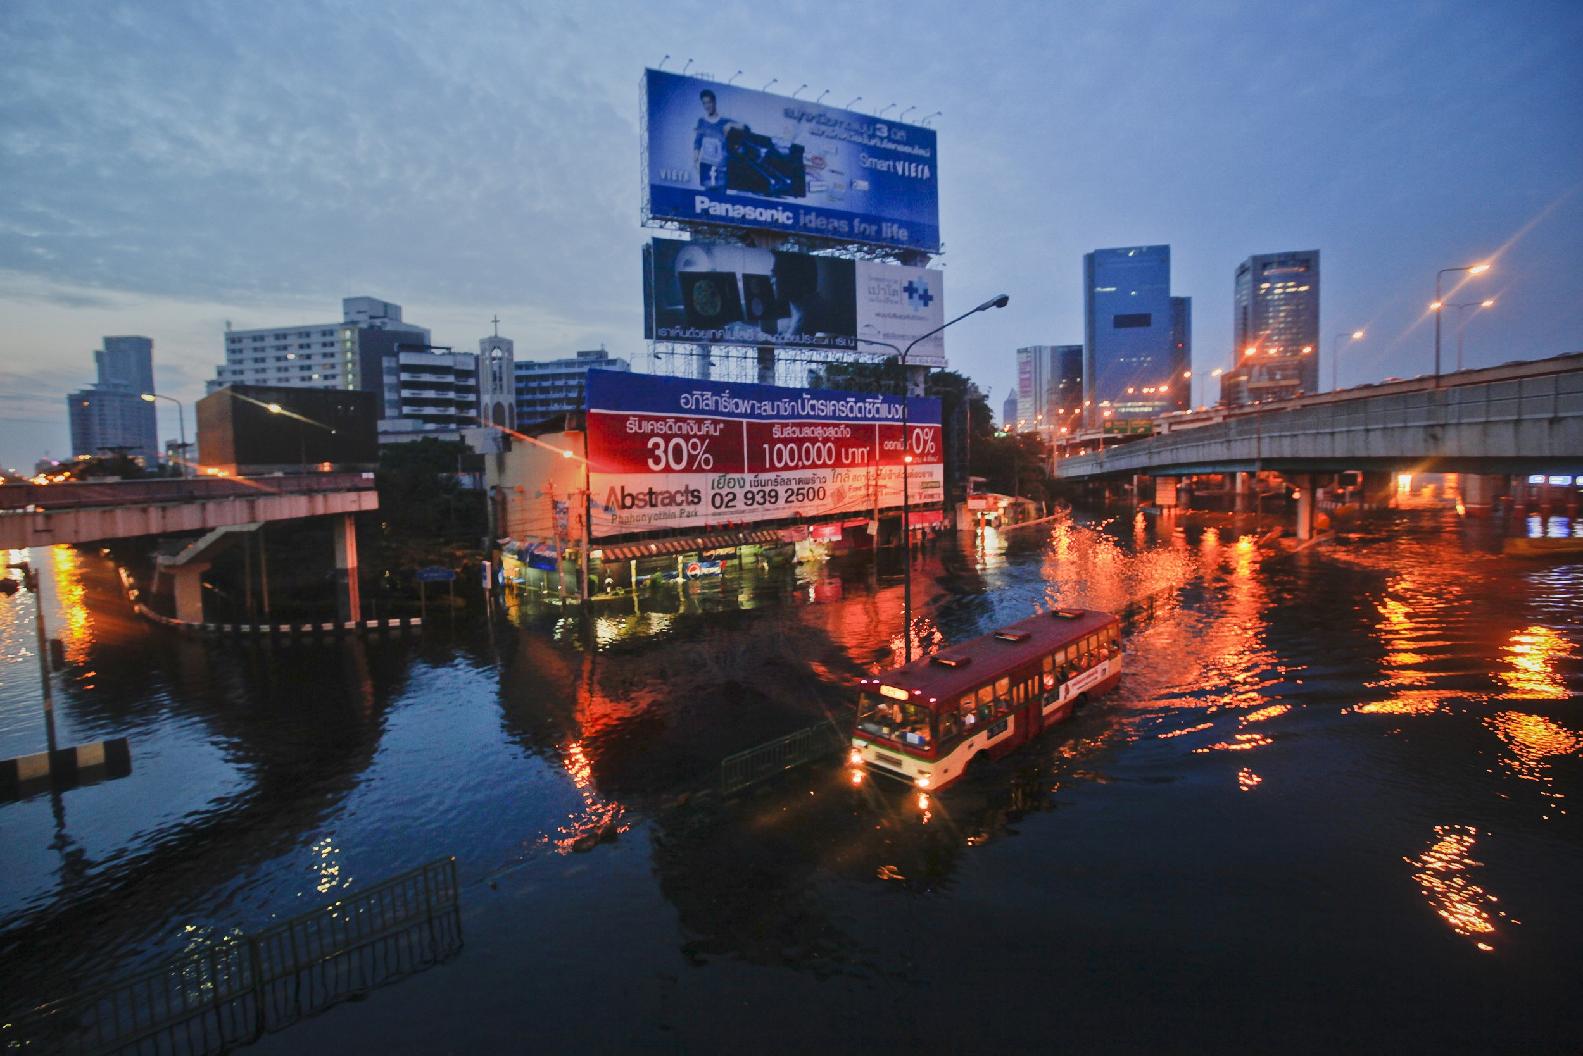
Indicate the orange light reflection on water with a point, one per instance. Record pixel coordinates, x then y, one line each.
1242 742
1532 741
1441 871
76 630
1532 654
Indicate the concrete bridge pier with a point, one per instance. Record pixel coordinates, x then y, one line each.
348 600
1165 491
1304 483
1481 491
1242 492
187 587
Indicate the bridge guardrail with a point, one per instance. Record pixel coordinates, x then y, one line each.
76 495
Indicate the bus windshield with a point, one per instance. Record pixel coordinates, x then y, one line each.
894 720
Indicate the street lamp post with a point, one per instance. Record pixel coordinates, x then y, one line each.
1335 354
1438 306
906 461
1462 326
181 423
302 433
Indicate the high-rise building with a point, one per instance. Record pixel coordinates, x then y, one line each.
1138 344
111 415
1008 416
1034 368
317 355
1049 387
1066 386
1276 328
556 387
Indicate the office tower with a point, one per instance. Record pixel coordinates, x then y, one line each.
1132 367
1033 387
1008 416
1049 387
1276 328
1066 387
111 415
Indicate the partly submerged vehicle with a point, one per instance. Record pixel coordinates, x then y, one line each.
926 722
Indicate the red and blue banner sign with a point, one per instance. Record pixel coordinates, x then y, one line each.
677 453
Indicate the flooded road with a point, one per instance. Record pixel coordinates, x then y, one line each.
1329 806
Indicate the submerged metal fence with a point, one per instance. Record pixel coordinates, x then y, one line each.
233 992
756 764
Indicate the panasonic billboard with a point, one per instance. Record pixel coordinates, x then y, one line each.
727 155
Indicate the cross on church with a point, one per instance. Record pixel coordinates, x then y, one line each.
496 321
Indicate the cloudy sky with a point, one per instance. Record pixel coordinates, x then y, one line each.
169 166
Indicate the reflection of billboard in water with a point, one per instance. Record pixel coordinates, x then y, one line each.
718 294
675 453
722 154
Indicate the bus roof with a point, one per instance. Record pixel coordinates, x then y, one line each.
958 669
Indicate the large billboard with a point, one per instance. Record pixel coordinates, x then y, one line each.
727 155
675 453
716 294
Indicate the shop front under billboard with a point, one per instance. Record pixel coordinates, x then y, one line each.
723 154
724 294
675 453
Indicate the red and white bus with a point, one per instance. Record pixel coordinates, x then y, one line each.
925 722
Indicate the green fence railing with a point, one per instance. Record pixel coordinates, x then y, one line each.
233 992
756 764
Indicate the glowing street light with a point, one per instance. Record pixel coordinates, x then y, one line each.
998 301
1440 301
181 422
1335 354
1462 326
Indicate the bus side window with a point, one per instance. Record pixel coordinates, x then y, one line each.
947 726
1002 696
965 707
986 702
1049 663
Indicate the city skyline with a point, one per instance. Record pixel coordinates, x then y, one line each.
1441 136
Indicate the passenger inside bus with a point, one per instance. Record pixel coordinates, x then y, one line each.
900 721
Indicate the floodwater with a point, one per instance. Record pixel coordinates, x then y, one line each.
1330 807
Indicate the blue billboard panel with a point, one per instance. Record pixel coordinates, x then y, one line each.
727 155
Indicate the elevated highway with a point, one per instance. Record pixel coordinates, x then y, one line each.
95 512
1519 418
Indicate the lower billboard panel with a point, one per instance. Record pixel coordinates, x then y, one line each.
718 294
672 453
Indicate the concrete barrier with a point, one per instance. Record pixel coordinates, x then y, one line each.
64 768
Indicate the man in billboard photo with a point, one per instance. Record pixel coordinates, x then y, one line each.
709 143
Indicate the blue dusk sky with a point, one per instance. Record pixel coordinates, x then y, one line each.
169 166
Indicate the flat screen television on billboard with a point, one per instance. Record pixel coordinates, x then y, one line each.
722 154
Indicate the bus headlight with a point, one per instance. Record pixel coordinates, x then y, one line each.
923 781
855 757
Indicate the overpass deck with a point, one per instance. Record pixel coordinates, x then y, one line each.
1510 419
